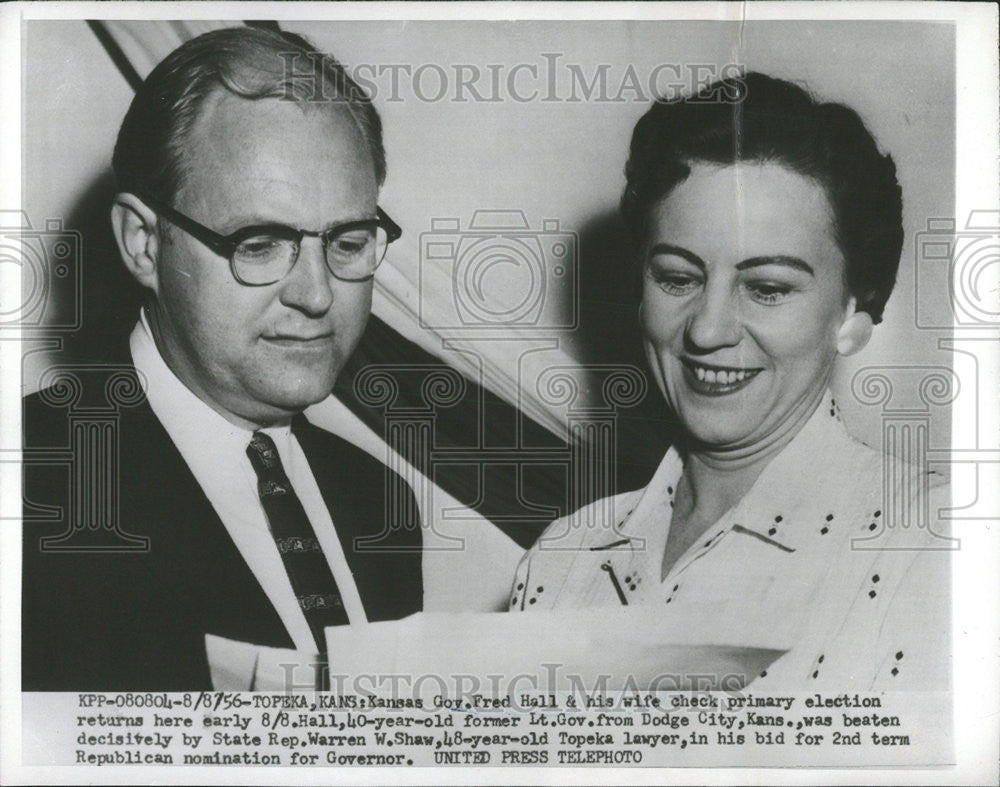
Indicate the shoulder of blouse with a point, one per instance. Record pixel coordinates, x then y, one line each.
595 524
910 491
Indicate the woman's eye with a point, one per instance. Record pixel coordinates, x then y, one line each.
674 282
768 292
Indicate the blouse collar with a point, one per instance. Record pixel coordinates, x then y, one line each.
803 475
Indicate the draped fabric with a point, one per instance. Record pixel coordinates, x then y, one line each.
508 424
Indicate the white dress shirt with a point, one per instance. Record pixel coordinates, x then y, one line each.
215 451
810 548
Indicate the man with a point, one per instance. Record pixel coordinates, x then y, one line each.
247 211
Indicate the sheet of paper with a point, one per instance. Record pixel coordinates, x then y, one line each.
492 653
243 666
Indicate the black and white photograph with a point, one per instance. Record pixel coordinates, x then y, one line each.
404 393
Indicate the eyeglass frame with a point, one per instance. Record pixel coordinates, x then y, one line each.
226 245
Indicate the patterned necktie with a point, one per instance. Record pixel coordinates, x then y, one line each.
312 580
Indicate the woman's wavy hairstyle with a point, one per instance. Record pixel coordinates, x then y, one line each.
758 118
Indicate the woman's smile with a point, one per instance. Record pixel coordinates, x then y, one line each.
713 380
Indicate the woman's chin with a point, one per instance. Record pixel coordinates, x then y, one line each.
718 437
721 422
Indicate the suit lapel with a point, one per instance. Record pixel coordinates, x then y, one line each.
192 556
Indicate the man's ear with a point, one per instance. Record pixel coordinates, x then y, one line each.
856 330
134 226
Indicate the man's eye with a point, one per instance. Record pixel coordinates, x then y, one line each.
260 247
351 244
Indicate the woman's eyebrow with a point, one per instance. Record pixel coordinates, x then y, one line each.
677 251
789 262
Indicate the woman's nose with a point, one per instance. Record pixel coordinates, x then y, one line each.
714 321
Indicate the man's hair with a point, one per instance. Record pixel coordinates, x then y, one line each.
761 119
249 62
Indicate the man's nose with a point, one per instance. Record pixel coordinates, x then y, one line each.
714 321
309 285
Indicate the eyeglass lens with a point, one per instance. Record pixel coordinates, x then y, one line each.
266 259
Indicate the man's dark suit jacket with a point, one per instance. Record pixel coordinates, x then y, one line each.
136 621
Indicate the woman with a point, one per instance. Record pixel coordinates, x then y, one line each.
768 230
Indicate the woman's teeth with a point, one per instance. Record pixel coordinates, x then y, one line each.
720 376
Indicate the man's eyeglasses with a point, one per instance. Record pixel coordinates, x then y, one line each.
264 254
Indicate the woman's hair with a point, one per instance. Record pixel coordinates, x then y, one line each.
761 119
250 62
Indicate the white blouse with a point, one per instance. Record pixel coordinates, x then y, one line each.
862 578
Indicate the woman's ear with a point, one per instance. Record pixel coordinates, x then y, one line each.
135 229
856 330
